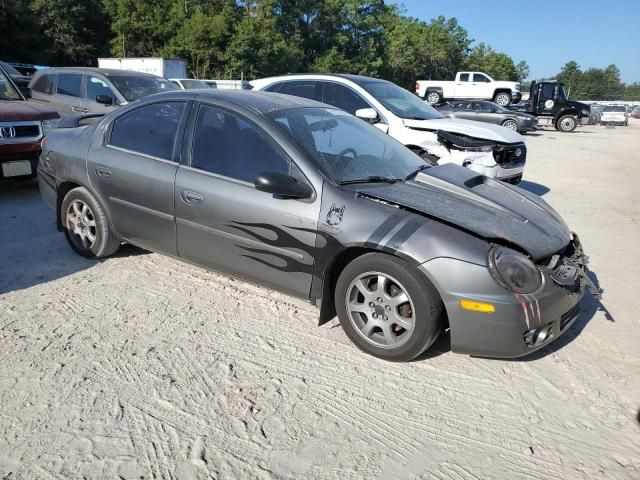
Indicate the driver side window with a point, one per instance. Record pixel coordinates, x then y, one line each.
95 87
479 78
229 145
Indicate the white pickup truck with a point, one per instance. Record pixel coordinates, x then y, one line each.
469 86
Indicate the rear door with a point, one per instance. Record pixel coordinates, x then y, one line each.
463 87
225 223
133 171
68 96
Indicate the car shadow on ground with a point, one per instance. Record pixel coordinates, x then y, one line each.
33 251
534 187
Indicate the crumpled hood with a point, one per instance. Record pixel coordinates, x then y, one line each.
483 206
472 128
19 110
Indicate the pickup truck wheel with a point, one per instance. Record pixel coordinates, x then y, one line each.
85 225
503 99
434 97
511 124
567 123
387 308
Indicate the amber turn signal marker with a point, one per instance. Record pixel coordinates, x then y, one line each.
477 306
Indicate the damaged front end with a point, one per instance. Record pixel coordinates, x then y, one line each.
493 159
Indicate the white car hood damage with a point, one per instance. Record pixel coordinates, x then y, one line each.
468 127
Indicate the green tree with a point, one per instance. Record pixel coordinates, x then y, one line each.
499 65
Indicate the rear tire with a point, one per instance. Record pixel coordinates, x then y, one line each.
387 308
502 98
510 124
433 97
85 225
567 123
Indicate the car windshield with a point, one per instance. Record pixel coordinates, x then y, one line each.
346 149
10 69
615 109
193 84
7 89
400 101
134 87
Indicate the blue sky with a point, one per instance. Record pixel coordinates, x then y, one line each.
547 34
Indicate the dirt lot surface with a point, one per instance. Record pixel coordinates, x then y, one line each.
141 366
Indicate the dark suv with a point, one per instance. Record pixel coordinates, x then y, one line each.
72 90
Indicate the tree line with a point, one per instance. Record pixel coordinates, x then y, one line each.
254 38
597 83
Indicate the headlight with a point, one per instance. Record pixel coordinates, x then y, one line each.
514 271
586 113
48 125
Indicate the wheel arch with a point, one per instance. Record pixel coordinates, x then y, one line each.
334 269
498 90
65 187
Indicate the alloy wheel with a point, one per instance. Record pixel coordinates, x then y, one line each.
433 98
380 309
502 99
511 124
81 225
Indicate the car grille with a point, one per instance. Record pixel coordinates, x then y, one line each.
569 316
12 132
510 153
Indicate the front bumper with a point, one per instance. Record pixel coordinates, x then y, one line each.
515 328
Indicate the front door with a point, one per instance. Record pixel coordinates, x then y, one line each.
134 172
225 223
95 86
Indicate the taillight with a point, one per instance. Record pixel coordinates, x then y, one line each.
417 87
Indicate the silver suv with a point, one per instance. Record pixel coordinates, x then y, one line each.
71 90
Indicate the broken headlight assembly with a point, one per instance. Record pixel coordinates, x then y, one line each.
514 271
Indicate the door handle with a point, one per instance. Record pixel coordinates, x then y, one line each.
78 109
191 197
103 172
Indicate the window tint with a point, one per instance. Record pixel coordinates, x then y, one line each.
96 87
228 145
273 88
304 89
343 97
464 77
485 107
479 78
70 84
614 109
44 84
150 130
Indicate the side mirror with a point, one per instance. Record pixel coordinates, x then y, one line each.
282 185
104 99
368 115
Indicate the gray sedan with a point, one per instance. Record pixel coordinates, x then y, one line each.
304 198
489 112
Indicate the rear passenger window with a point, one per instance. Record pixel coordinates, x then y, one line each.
343 97
464 77
273 88
304 89
70 84
229 145
44 84
149 130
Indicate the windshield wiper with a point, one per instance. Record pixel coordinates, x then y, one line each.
415 172
371 179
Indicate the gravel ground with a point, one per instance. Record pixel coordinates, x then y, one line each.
141 366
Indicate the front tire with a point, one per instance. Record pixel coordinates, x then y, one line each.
567 123
503 99
85 225
433 97
387 308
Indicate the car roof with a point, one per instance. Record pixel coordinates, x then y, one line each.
109 72
257 101
358 79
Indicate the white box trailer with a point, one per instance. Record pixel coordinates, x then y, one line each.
163 67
